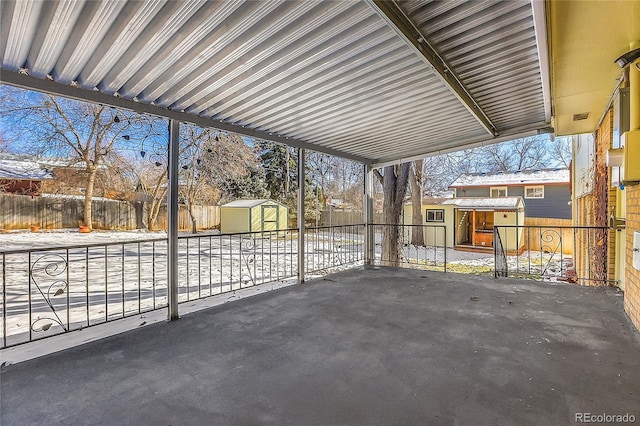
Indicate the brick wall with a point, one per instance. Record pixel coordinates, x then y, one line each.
632 276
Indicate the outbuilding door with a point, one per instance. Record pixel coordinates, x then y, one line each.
269 218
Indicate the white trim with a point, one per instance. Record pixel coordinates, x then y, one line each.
435 214
540 29
533 187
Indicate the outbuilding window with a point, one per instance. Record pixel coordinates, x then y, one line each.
435 215
534 191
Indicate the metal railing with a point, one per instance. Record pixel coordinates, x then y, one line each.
211 264
56 290
428 253
61 289
328 248
576 254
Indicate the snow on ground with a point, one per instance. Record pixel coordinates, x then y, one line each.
71 280
534 264
23 240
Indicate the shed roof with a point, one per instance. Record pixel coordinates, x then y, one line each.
23 170
250 203
524 177
500 203
333 76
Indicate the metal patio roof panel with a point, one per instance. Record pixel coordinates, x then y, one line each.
487 42
336 76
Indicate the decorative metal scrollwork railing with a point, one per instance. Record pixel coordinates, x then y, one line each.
60 289
553 253
328 248
47 275
51 291
419 246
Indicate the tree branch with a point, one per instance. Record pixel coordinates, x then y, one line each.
378 175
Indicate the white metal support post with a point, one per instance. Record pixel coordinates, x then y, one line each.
301 185
369 243
172 208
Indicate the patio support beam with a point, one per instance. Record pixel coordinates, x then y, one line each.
172 209
397 19
369 244
301 185
47 86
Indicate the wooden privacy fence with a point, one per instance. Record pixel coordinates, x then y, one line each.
335 217
207 217
22 212
545 234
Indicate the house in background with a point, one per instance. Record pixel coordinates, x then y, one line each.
546 193
467 224
438 222
22 177
30 175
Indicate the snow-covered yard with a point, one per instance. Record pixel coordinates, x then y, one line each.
529 264
104 276
65 280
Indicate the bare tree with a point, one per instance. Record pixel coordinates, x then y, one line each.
561 152
226 158
86 134
528 153
4 143
321 167
153 182
415 179
394 180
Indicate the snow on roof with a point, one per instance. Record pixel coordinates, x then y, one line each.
513 178
23 170
49 162
249 203
498 203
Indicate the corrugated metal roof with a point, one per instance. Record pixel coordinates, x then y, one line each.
332 75
249 203
492 48
531 177
504 203
23 170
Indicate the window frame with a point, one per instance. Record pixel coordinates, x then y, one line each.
499 188
435 214
533 187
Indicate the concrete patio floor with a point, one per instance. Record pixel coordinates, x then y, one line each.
365 346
